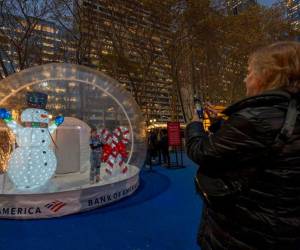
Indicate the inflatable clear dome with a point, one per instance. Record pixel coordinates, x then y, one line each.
68 127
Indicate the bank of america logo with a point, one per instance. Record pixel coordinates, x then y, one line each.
55 206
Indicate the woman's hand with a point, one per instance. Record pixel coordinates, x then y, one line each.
210 110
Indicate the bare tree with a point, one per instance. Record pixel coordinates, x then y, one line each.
220 45
20 45
135 31
76 21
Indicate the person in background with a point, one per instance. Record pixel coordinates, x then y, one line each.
158 146
249 168
151 148
96 150
164 146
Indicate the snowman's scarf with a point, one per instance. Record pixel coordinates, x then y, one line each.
35 124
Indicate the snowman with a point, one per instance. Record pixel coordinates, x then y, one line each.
32 163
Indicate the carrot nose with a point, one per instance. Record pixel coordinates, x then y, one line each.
44 116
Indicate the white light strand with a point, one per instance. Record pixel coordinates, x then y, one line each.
32 163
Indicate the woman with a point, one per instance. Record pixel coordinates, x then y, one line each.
249 172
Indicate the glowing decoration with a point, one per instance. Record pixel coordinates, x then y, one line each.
32 163
114 150
6 142
107 101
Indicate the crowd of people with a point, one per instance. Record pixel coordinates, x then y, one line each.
158 148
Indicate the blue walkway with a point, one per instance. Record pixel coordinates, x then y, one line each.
162 215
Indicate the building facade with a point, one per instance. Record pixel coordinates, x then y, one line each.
293 12
129 42
122 39
234 7
21 46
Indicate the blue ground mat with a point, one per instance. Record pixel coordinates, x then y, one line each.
163 214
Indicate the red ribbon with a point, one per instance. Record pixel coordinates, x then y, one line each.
121 149
108 150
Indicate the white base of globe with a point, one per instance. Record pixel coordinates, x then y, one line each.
66 194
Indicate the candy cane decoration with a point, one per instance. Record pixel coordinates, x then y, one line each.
115 150
106 136
124 133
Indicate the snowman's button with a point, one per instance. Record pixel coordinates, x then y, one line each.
45 164
43 141
43 130
44 152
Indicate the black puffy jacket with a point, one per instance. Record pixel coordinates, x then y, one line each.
266 213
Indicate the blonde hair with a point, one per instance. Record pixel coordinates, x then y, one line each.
278 65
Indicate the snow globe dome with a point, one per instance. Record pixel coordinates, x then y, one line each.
82 93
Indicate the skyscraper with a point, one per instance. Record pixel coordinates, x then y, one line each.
293 12
40 44
134 41
120 38
236 6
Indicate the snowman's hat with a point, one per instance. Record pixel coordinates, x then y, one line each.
36 100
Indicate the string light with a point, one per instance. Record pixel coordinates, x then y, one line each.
32 163
6 142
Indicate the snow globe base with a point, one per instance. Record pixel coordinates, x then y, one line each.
69 189
65 194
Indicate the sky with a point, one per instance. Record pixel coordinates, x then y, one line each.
266 2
